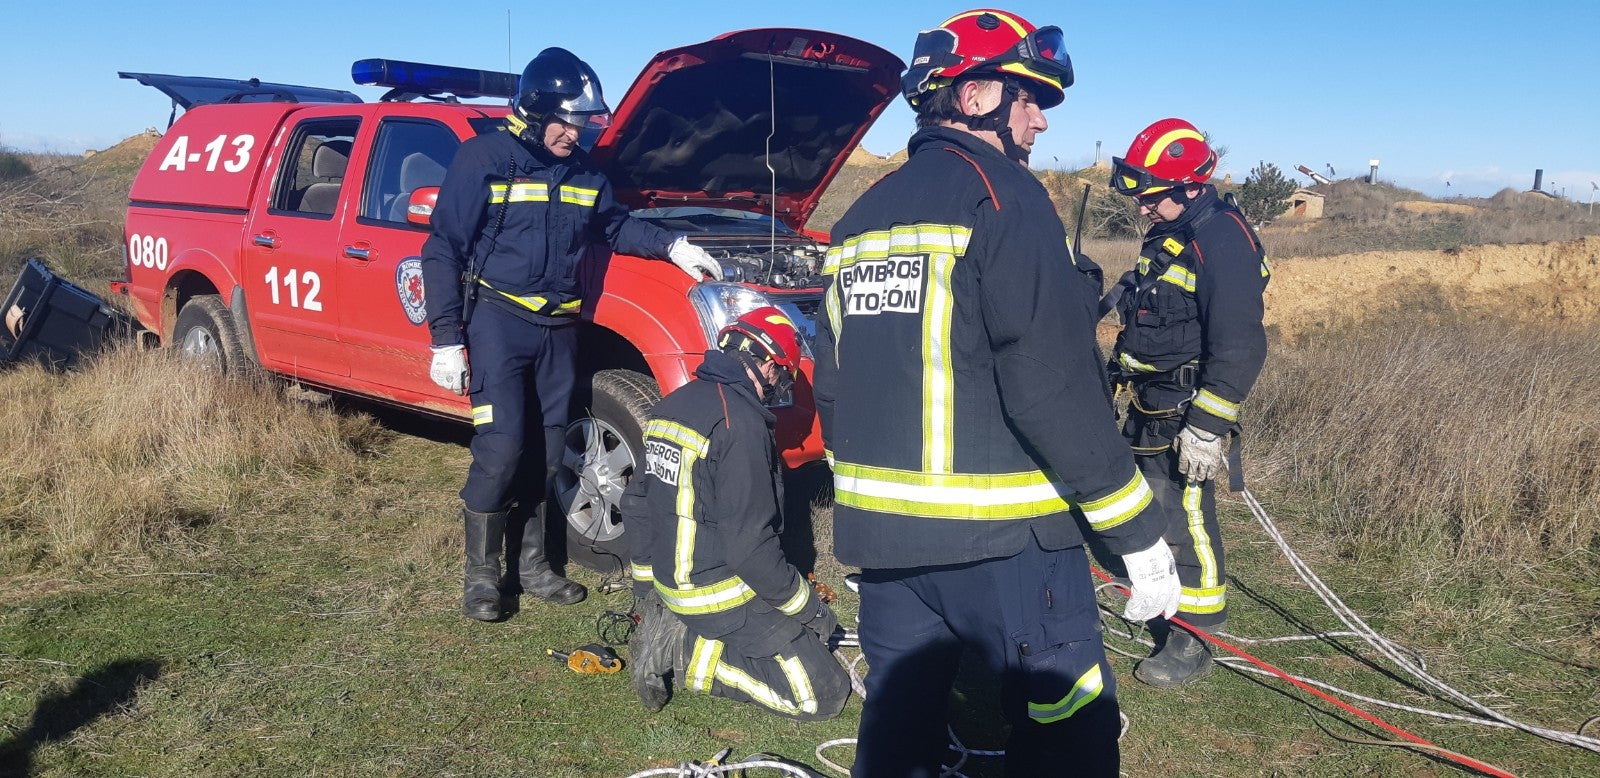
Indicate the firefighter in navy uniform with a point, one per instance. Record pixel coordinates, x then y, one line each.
965 410
722 611
1191 346
517 212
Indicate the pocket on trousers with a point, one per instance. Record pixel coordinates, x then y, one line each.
1062 677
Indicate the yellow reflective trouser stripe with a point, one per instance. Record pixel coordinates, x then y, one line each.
678 434
703 663
1119 506
1135 365
520 193
482 414
1216 406
726 594
1210 599
1180 277
578 195
799 683
641 573
798 601
757 690
1083 692
1198 536
948 495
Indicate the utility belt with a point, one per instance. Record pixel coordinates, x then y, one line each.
1131 371
538 303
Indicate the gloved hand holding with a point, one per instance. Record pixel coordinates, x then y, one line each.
449 368
1199 452
1154 589
822 621
694 260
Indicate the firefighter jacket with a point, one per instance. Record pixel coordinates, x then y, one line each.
704 512
521 220
1191 311
962 395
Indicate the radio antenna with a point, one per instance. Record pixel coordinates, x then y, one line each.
509 64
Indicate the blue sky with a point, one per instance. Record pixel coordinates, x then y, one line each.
1477 94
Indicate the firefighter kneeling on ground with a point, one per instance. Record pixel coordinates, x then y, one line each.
1191 346
722 611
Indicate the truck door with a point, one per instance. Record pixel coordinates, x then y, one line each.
292 248
380 271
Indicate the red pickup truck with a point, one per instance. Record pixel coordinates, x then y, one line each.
280 226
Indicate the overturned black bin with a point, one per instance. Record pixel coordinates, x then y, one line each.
56 322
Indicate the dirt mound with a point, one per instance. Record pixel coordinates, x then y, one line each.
1541 282
1428 206
123 158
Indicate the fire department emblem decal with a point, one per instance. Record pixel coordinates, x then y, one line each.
408 283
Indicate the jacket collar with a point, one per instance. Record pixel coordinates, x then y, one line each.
938 137
719 368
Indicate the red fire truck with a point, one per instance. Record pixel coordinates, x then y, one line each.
280 226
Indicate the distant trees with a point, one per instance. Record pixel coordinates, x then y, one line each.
1264 194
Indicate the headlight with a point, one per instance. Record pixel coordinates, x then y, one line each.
720 303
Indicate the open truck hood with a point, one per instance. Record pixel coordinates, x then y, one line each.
758 120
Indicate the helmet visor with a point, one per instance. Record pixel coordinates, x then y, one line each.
1046 51
1130 180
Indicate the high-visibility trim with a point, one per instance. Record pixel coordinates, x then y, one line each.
1172 246
1144 265
578 195
1266 269
1213 404
703 661
538 303
797 603
674 432
531 192
1002 496
758 691
902 240
1119 506
1204 599
938 370
642 573
1085 691
799 682
1180 277
482 414
726 594
1127 361
1206 555
683 549
1161 144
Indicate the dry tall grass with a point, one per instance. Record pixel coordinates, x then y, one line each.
139 446
1465 439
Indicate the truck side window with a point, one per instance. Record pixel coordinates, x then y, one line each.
408 154
313 168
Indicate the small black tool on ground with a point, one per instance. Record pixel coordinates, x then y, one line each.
50 319
589 659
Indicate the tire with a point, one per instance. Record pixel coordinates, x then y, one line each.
204 331
603 448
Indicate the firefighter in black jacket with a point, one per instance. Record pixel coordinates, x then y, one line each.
964 406
1191 345
703 517
517 212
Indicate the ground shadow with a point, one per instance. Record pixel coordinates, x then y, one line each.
801 488
103 690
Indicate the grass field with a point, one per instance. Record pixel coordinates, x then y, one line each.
206 576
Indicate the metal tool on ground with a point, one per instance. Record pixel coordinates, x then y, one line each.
589 659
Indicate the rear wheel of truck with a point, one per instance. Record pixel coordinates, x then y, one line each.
204 332
604 448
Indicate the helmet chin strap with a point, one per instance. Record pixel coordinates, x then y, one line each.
526 133
998 121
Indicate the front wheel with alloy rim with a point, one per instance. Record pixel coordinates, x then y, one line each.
604 447
204 332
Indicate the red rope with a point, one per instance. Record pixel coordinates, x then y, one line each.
1239 652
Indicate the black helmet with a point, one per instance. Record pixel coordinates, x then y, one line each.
556 84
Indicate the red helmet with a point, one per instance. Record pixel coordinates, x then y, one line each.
1166 154
768 333
989 42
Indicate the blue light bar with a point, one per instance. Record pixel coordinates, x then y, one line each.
419 78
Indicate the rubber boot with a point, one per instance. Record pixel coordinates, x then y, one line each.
485 536
533 570
655 651
1180 657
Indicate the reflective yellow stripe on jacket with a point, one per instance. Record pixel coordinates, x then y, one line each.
1001 496
530 192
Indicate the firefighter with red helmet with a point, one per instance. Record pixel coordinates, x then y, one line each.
517 212
964 407
1191 346
721 610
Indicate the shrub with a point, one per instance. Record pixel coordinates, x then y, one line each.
1265 193
13 166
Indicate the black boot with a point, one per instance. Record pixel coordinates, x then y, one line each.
533 570
1180 657
655 652
485 536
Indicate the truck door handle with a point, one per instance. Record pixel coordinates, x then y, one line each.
266 241
357 253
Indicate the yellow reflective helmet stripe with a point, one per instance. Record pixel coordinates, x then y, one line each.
1166 140
1085 691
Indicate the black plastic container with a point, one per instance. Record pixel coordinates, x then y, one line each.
54 321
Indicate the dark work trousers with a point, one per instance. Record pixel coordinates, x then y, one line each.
1190 513
1032 619
771 661
521 379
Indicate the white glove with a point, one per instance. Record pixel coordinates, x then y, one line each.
694 260
1154 583
1199 453
449 368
